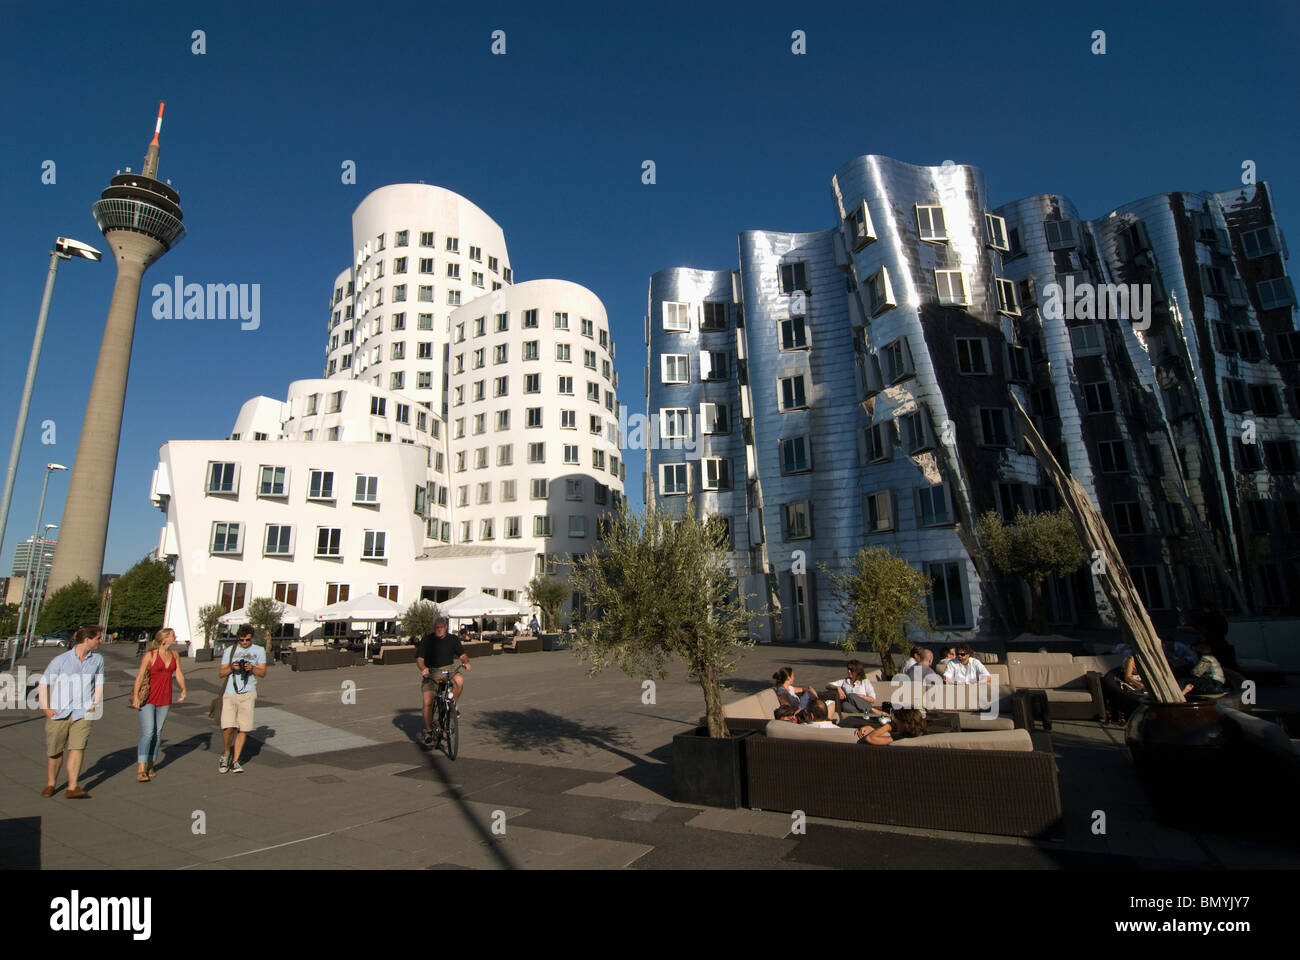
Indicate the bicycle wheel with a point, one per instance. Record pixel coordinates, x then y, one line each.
451 730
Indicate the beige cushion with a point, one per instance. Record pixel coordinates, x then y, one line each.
1017 740
977 721
1102 665
1027 659
1047 676
758 706
785 730
1003 672
1069 696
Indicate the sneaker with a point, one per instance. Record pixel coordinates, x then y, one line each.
236 768
428 738
223 765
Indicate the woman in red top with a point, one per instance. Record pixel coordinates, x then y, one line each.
160 663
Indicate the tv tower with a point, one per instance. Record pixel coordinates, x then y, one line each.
140 218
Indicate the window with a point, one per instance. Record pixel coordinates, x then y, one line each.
421 502
1248 456
530 319
1007 301
503 420
995 232
713 365
878 512
950 285
794 276
1087 340
426 294
399 293
995 426
859 226
915 432
397 380
513 528
537 453
501 386
573 489
453 245
1060 234
279 540
1128 519
530 349
1275 293
562 352
1112 456
328 541
797 518
878 443
1264 400
930 223
566 386
337 592
533 417
541 526
426 238
1279 456
561 321
602 493
532 383
272 482
505 455
225 538
285 593
367 489
480 326
715 316
541 489
793 396
320 485
375 546
795 455
1097 397
713 418
589 359
896 361
425 321
933 506
481 458
570 453
675 368
332 433
1234 394
947 603
794 334
593 425
485 531
715 473
598 461
880 293
377 406
568 419
479 386
675 423
1258 243
223 478
462 495
1149 586
577 525
673 478
507 491
232 596
972 356
453 298
677 316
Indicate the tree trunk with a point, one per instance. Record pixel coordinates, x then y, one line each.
1038 613
712 700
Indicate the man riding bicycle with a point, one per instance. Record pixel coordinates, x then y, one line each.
435 652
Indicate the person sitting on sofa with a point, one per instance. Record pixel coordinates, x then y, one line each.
1207 675
920 665
966 669
947 657
799 697
818 716
855 692
907 722
787 712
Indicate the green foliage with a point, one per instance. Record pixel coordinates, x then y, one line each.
1033 547
549 594
140 596
418 619
264 615
881 597
663 589
8 619
69 607
209 623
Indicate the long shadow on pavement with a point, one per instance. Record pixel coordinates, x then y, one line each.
411 722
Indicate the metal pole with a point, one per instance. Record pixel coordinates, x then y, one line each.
26 403
27 582
31 624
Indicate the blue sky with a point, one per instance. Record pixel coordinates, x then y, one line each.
549 140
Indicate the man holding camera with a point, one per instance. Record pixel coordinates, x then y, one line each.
243 664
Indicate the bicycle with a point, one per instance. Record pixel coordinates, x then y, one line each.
447 734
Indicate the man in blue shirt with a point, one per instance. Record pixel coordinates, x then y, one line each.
72 696
243 663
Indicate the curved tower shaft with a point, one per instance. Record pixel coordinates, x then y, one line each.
141 219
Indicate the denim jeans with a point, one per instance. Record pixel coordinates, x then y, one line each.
152 719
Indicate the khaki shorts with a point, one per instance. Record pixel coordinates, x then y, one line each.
66 733
237 710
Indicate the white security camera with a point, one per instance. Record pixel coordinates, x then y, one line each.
67 247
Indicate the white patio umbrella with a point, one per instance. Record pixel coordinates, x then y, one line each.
477 604
289 613
368 606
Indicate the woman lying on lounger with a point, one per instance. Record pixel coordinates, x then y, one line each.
906 723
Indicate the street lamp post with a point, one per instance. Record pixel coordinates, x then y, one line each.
65 248
39 596
27 580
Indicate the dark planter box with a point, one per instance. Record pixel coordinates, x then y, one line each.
203 654
555 641
708 771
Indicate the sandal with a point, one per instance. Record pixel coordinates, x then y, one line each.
141 777
150 772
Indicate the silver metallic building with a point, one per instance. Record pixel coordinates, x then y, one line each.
850 388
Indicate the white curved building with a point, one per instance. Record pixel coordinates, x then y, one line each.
468 429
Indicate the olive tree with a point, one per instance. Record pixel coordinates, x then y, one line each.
1032 547
882 598
661 589
210 622
265 615
418 620
549 594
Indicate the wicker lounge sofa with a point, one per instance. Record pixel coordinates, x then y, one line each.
1071 685
999 781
